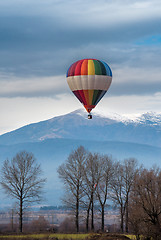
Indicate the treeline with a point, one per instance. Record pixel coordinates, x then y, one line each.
91 179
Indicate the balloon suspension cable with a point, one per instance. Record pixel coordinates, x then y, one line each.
89 116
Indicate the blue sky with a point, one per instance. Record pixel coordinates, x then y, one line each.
39 40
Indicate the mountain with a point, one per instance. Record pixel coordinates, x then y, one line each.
145 129
52 140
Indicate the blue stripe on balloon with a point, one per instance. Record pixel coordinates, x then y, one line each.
108 69
100 96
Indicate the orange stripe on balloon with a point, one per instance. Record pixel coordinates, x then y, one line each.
86 96
84 67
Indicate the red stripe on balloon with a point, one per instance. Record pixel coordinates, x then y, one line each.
80 95
77 71
72 69
77 94
89 107
81 98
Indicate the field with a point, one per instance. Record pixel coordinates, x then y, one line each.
55 236
46 236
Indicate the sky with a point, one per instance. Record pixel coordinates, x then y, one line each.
40 39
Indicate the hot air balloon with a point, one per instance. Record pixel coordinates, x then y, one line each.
89 80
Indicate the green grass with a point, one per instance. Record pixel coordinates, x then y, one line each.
46 236
132 237
69 236
50 236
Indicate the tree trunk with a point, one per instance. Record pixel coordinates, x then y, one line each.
12 220
138 237
127 217
103 218
92 214
77 210
122 220
88 210
87 220
21 215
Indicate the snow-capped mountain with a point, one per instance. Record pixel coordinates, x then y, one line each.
145 129
52 141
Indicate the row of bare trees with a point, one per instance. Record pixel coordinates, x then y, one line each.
92 178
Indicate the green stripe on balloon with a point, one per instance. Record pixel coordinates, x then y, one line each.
97 66
95 96
103 69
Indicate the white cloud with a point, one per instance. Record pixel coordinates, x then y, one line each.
34 86
20 111
135 75
130 104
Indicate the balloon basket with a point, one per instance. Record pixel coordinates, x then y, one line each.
89 116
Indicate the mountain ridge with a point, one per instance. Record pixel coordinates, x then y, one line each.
146 129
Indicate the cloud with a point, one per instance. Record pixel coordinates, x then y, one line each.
126 80
20 111
43 38
33 87
130 104
39 41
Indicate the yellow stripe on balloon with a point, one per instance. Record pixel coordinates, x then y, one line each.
90 94
91 68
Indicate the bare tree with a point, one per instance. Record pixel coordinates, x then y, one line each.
103 187
130 170
21 179
118 191
91 177
121 186
136 222
71 173
147 198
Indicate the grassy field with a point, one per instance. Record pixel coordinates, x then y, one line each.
46 236
54 236
132 237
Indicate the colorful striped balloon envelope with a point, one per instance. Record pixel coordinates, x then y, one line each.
89 80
